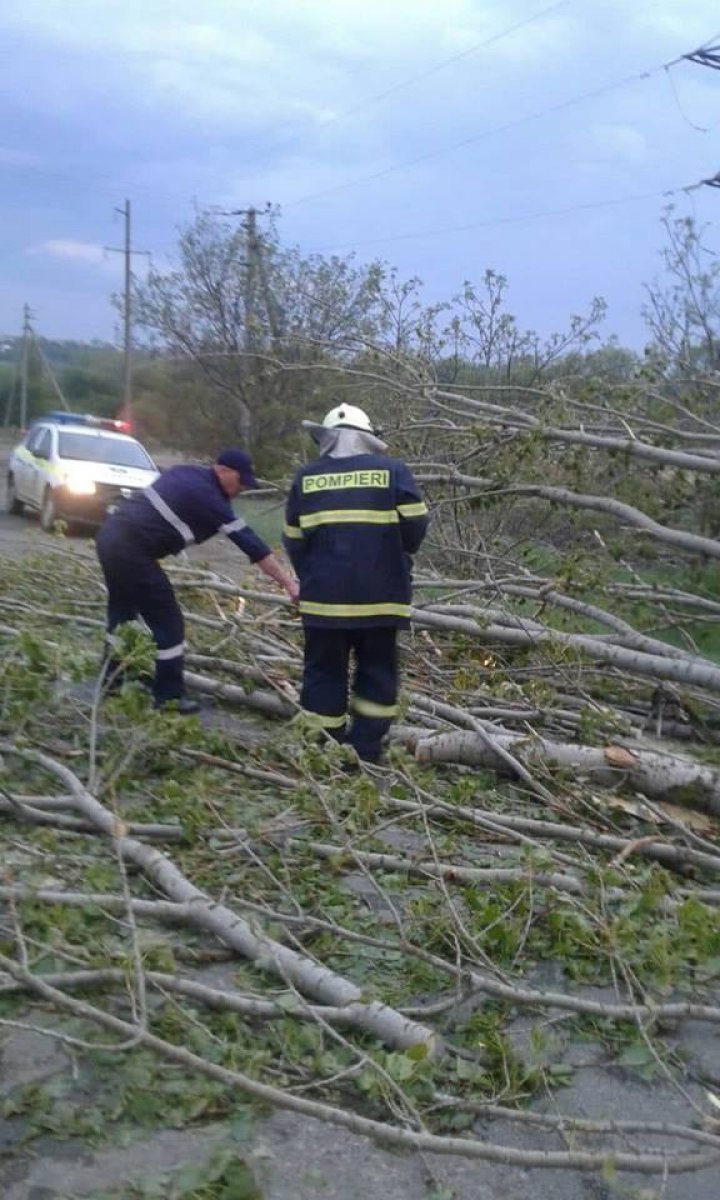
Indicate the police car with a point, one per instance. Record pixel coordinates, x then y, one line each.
74 468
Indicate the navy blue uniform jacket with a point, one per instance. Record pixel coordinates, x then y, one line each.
350 526
184 505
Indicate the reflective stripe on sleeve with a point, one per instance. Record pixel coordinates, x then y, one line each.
172 518
314 609
171 652
413 510
233 526
368 708
292 531
350 516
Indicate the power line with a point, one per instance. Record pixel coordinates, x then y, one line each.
110 181
521 218
439 66
678 103
593 93
105 181
49 371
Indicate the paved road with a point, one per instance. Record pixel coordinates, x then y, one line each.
18 535
23 535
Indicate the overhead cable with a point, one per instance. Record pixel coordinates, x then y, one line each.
521 218
593 93
439 66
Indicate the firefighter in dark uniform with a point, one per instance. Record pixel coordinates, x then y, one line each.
185 504
353 519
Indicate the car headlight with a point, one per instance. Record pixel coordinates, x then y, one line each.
79 486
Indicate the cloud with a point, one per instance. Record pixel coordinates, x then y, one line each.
692 21
9 157
66 248
349 107
249 63
620 143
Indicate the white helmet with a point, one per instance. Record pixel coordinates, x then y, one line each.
349 416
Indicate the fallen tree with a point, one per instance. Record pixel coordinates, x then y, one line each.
537 851
653 772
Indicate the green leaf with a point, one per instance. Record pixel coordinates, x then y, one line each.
636 1055
399 1066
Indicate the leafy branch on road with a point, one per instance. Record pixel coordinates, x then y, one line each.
431 897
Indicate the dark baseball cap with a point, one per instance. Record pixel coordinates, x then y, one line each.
238 460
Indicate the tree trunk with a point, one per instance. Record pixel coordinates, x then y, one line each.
652 772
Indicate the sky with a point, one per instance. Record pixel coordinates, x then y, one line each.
541 140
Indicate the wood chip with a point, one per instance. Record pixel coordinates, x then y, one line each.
618 756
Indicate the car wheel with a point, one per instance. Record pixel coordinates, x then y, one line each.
48 513
14 506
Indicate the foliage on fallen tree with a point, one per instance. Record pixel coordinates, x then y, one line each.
435 894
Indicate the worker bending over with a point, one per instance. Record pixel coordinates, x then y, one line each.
185 504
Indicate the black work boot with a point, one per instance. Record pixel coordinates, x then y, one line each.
369 753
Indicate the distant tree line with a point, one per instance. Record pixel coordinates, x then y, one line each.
88 374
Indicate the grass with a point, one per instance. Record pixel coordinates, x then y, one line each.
264 515
700 577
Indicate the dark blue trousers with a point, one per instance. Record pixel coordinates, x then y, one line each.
137 586
326 684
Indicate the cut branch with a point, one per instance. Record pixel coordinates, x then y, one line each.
649 771
309 977
650 1163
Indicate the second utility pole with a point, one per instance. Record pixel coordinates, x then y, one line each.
250 274
24 361
127 339
128 252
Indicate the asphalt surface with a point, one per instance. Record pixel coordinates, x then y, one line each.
18 535
22 535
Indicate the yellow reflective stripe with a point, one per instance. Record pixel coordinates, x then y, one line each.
315 609
322 720
292 531
41 464
350 516
413 510
345 479
368 708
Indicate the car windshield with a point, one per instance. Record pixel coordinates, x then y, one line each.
99 449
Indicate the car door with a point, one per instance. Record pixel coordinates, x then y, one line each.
41 467
24 465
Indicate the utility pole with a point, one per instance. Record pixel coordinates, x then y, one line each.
250 274
127 339
10 402
24 363
127 251
254 270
